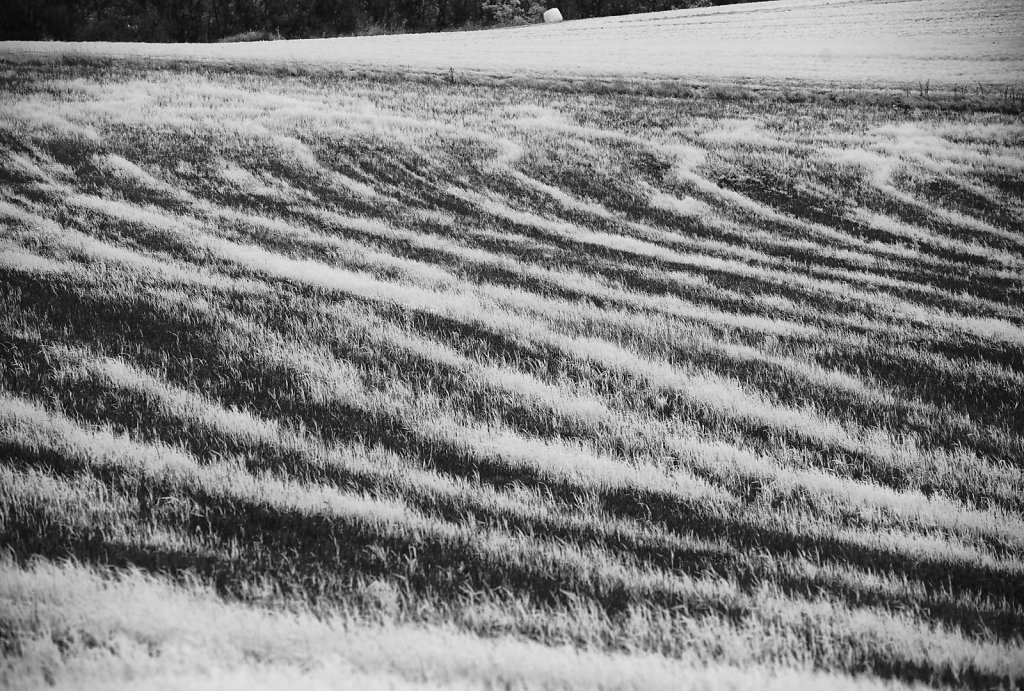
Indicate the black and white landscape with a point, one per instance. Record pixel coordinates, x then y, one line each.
676 350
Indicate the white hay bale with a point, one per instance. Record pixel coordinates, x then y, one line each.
552 16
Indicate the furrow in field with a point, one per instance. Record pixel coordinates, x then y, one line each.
525 561
1011 263
872 303
863 276
70 595
693 157
879 170
716 376
704 390
55 441
715 461
425 272
313 652
978 326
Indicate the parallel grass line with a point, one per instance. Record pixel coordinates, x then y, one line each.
30 427
581 569
894 308
847 637
604 352
694 381
714 460
77 595
525 298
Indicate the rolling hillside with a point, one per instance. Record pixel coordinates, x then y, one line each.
867 43
311 378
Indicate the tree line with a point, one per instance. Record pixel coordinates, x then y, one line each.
215 20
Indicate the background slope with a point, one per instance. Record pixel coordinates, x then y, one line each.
870 42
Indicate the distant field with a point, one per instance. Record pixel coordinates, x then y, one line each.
877 43
319 380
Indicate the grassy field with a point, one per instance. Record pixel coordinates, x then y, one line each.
393 383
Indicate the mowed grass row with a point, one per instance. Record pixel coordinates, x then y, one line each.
736 383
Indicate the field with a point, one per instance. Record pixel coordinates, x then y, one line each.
337 379
863 43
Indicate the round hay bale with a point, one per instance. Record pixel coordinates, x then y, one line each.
552 16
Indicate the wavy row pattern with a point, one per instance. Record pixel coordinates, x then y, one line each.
715 383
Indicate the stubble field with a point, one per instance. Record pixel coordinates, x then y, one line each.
330 380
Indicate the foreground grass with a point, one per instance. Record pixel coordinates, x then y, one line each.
624 384
100 625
